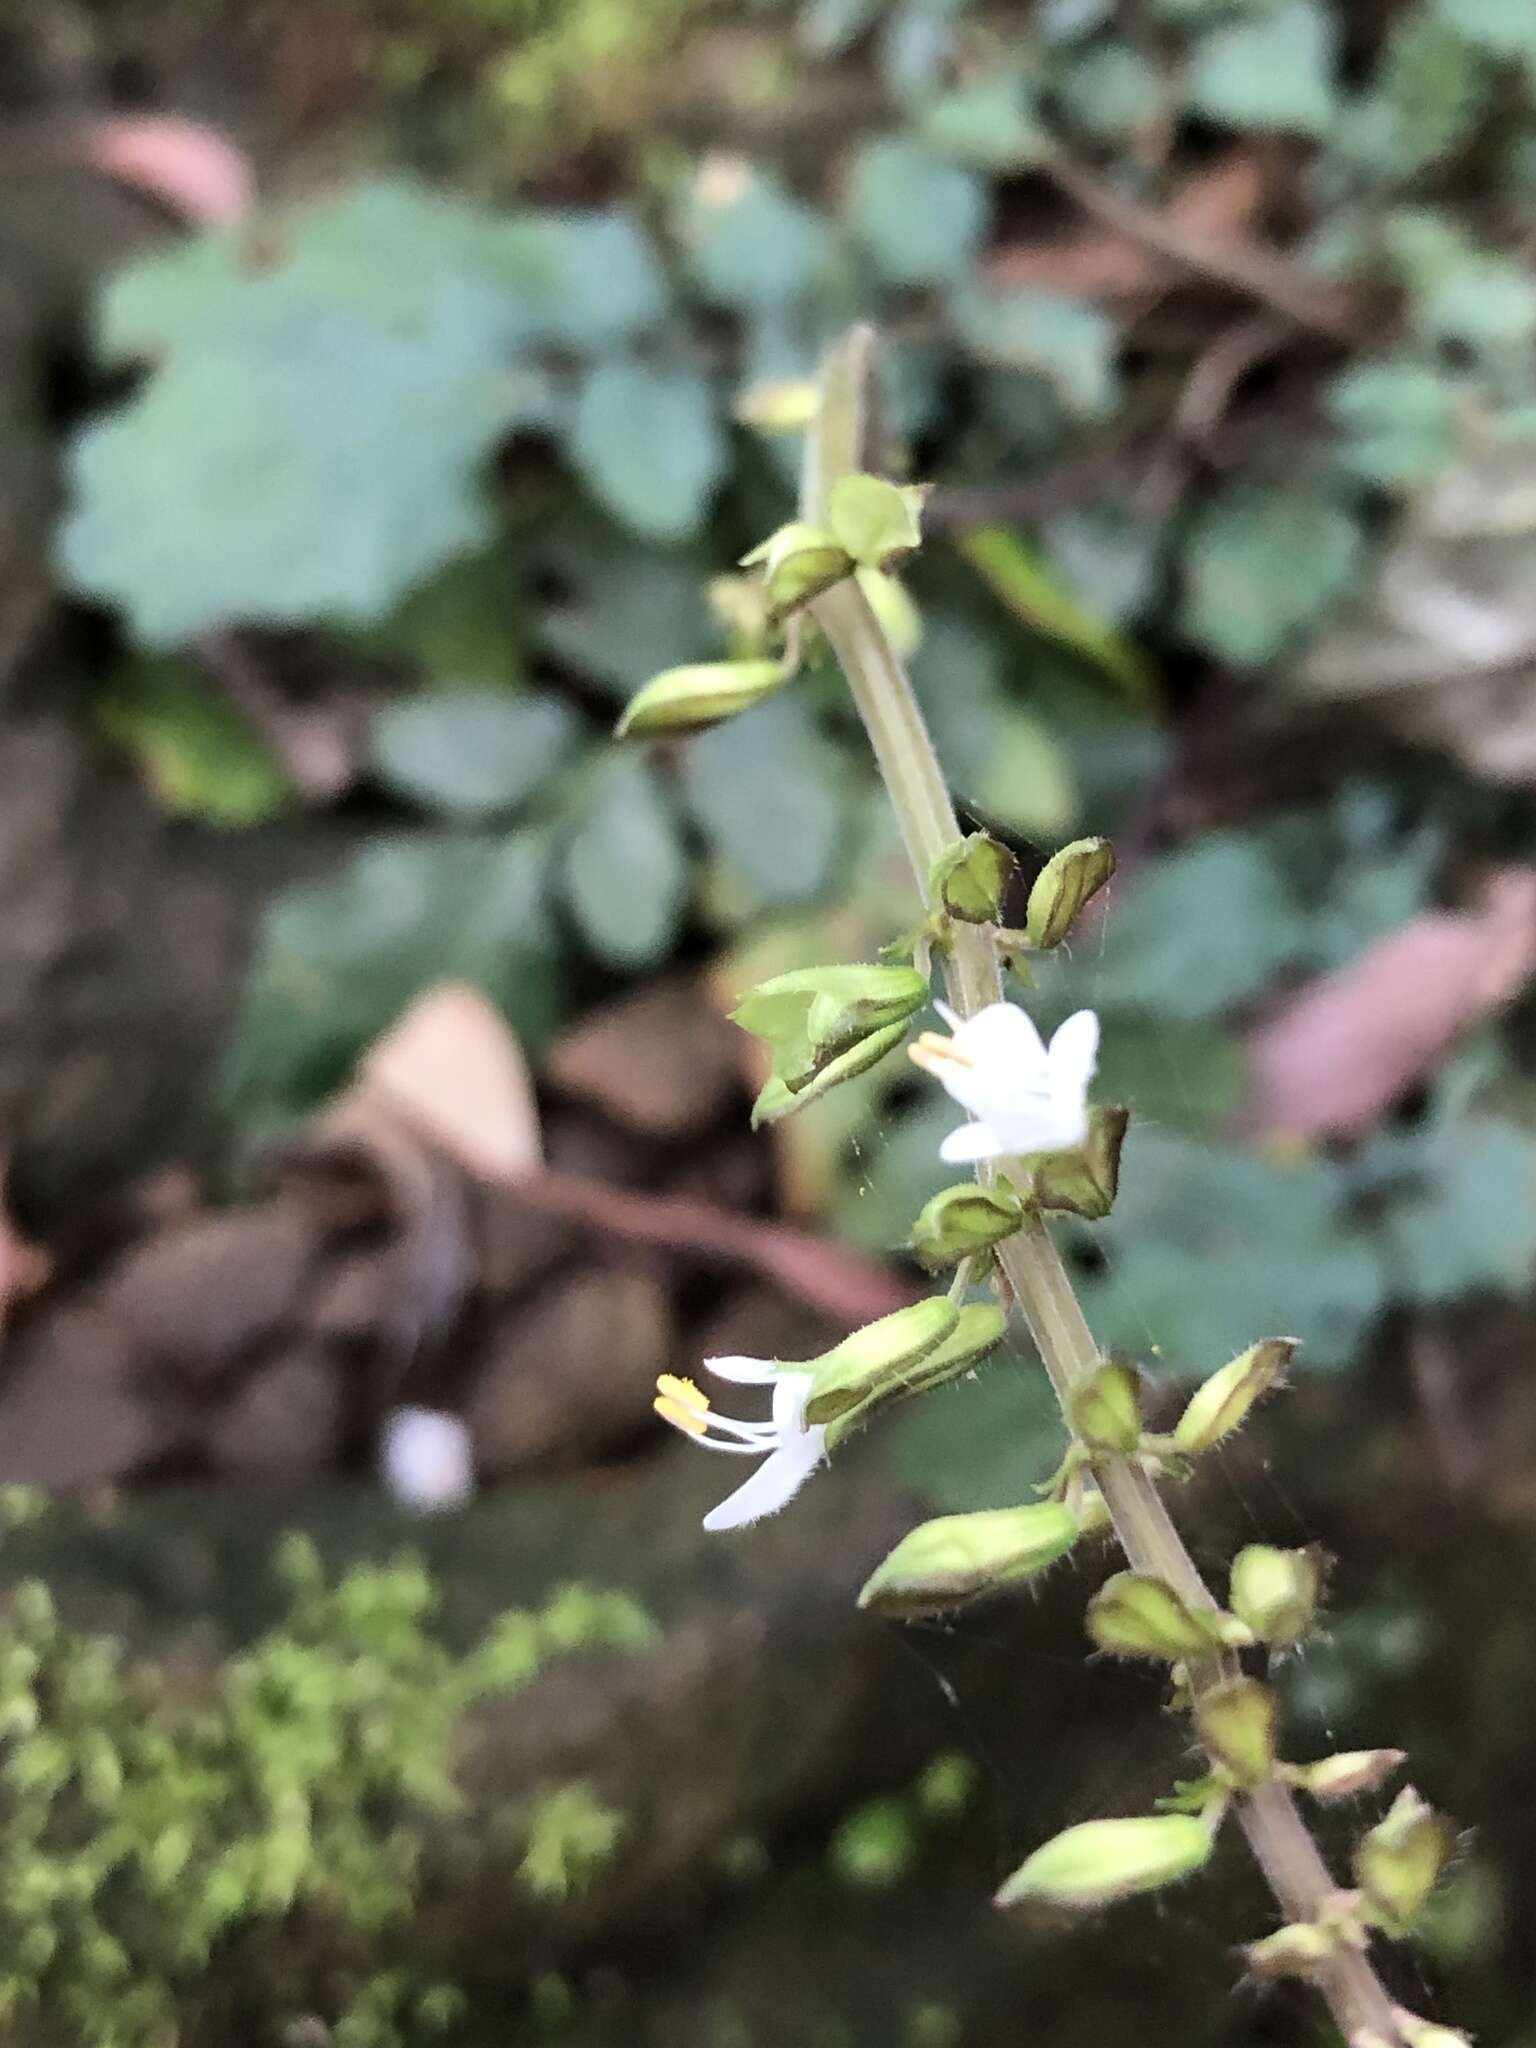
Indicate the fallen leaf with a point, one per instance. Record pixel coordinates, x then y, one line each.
1217 204
185 166
451 1067
1339 1053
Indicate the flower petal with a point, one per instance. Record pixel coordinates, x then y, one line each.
1001 1035
745 1372
970 1143
775 1483
790 1392
1074 1053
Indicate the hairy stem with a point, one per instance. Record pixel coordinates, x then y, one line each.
1276 1832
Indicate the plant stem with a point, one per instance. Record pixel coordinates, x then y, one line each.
1279 1838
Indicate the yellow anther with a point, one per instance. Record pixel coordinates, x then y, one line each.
933 1052
679 1402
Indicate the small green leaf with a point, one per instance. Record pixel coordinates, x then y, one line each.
768 792
1261 565
1026 784
921 219
626 611
989 123
1112 92
200 757
471 753
751 244
1492 25
624 870
1397 421
1275 71
1070 342
1425 100
649 446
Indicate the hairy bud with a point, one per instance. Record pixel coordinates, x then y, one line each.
1100 1861
1221 1403
1399 1862
1276 1591
1105 1411
1068 881
1238 1721
1136 1615
686 699
957 1558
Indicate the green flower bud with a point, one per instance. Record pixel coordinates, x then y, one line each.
1100 1861
1347 1775
1105 1412
858 1367
685 699
1136 1615
777 1099
1399 1862
1069 880
778 405
970 878
892 604
1086 1181
874 519
798 562
1238 1722
958 1222
1293 1951
1276 1591
1221 1403
813 1015
957 1558
979 1329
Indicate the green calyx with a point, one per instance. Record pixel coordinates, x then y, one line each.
957 1558
1238 1722
1105 1411
961 1222
856 1370
969 880
1136 1615
1221 1404
701 694
798 563
1398 1864
1070 879
979 1329
1083 1182
824 1024
1275 1592
1100 1861
874 520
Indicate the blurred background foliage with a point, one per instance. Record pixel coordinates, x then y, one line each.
1213 324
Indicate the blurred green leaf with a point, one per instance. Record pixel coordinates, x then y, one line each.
1210 1247
1273 71
1024 580
649 446
1182 1074
751 244
889 1179
1424 101
462 628
470 752
200 757
337 961
981 1442
1025 783
1471 1222
1068 341
1397 421
989 123
346 474
1459 291
921 218
1259 565
1492 25
624 871
1200 931
1112 91
624 611
770 794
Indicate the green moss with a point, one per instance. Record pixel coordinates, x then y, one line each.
150 1824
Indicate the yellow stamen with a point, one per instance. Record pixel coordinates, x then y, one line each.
679 1402
933 1052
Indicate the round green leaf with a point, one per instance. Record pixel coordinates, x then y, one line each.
624 872
470 752
921 219
649 447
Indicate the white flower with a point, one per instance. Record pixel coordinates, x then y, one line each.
789 1446
425 1459
1023 1096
